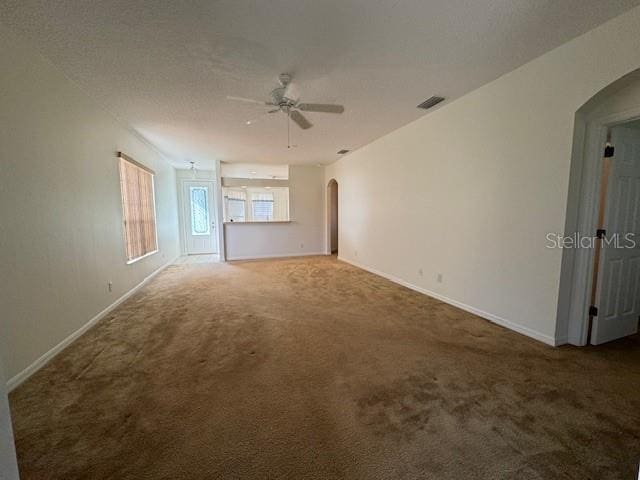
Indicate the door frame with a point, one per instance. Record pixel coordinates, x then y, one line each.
575 295
183 210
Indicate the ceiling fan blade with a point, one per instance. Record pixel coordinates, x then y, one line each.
320 107
300 120
247 100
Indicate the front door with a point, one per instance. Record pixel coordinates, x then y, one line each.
618 290
199 214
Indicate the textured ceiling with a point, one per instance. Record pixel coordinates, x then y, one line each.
166 67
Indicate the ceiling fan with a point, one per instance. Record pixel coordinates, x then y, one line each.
286 99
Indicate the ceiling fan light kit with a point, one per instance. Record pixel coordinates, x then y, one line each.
286 99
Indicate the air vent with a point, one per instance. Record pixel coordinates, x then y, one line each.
342 152
430 102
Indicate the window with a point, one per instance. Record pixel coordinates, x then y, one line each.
138 209
199 211
234 202
262 207
256 204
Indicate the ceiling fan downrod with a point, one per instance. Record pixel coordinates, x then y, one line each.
288 127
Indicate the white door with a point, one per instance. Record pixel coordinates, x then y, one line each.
199 217
618 290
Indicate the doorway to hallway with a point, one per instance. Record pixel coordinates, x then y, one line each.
332 217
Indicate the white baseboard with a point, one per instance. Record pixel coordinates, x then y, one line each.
468 308
277 255
15 381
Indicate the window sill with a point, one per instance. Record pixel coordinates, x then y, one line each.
129 262
265 222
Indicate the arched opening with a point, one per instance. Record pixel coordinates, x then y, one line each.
599 298
332 217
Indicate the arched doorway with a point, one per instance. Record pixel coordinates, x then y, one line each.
596 201
332 217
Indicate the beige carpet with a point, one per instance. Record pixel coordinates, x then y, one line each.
313 369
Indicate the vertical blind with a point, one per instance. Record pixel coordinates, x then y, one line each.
262 206
138 209
256 204
235 203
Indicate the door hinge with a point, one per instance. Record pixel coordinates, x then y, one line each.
601 233
593 311
609 151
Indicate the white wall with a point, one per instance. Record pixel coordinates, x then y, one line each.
254 171
61 232
471 190
8 464
302 236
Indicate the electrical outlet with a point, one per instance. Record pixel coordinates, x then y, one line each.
110 286
302 245
439 278
420 272
355 253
